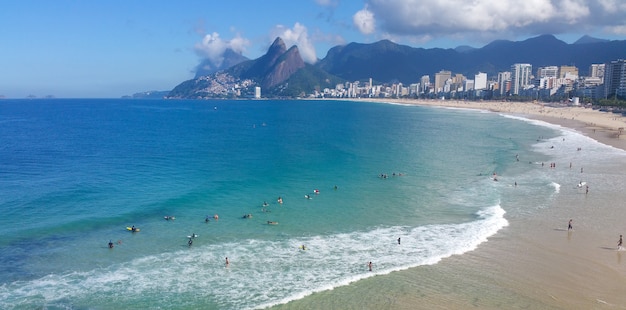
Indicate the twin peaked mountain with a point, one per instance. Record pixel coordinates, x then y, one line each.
281 72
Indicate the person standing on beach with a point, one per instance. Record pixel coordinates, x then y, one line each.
619 243
569 225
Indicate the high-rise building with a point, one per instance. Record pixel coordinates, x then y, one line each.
480 81
564 71
257 92
469 85
615 79
520 77
504 82
548 72
440 80
424 83
597 70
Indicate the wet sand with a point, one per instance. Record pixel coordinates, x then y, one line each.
535 262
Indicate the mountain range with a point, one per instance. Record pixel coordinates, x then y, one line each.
282 72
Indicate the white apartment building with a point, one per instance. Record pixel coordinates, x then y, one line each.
520 77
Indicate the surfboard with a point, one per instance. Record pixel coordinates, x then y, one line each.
131 229
194 236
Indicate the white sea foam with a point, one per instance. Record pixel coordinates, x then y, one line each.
557 187
261 273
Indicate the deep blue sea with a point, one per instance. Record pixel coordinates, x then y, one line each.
75 173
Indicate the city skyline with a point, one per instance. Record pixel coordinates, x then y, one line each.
107 50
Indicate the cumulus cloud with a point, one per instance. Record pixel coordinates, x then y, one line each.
481 17
212 47
297 36
364 21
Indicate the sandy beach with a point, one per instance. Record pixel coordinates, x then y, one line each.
535 262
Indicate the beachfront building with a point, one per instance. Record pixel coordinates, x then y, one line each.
441 79
504 82
615 79
469 85
424 84
597 71
568 72
480 81
520 77
548 72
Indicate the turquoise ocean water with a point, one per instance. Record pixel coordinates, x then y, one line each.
75 173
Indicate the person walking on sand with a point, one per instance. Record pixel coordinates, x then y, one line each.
569 225
619 243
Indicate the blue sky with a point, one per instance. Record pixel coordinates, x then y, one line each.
107 49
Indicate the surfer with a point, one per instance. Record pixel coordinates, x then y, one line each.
110 244
303 248
398 240
190 242
280 199
569 225
265 204
307 196
133 229
206 220
619 243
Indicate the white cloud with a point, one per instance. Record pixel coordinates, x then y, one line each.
212 47
619 30
481 18
364 21
297 36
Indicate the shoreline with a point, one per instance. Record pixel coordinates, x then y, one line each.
600 126
535 262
